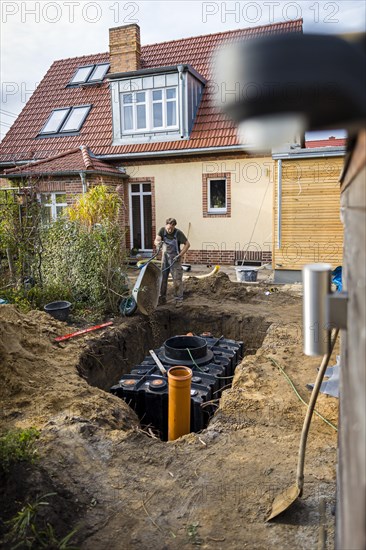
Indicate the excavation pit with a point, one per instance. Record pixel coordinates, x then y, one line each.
120 362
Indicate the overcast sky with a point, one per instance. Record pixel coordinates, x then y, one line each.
34 34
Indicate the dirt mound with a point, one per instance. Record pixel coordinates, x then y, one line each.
220 287
39 379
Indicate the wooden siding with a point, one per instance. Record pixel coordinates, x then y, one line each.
311 229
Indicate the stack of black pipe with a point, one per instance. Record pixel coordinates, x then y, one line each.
212 360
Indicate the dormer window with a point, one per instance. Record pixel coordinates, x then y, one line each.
149 110
67 120
89 74
155 104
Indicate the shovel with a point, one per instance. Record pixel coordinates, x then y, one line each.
284 500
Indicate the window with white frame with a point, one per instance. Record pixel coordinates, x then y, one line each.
149 110
65 120
155 106
89 74
217 195
134 111
52 206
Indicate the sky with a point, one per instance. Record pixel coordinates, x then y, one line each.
36 33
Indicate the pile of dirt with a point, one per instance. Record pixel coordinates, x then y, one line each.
39 379
214 489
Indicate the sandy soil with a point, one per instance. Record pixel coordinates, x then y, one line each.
125 489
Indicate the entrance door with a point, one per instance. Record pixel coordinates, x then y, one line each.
141 216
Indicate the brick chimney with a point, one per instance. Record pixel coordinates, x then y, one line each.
124 48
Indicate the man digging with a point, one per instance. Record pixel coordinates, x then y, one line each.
172 238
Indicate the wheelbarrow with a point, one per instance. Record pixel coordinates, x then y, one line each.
146 291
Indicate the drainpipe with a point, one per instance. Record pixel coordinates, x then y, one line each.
83 182
179 402
181 100
279 204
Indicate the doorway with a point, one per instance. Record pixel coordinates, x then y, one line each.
141 216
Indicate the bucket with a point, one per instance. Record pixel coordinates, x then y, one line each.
246 274
58 310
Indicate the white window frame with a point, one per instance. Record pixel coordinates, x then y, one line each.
53 204
134 104
149 102
216 210
164 101
68 113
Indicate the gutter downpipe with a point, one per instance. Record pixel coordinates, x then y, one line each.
279 204
83 182
181 100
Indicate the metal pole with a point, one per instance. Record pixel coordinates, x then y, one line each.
316 287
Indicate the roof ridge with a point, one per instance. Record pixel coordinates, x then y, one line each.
226 32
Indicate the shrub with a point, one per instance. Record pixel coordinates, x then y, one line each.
86 264
18 446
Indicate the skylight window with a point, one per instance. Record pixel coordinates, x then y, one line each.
89 74
68 119
54 122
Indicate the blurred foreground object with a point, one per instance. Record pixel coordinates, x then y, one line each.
276 87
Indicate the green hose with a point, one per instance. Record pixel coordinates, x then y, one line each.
299 396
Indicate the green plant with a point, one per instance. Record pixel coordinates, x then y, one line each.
20 232
24 532
86 263
46 538
192 531
98 206
17 296
18 446
78 258
21 524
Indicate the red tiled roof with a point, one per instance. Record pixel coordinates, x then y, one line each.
330 142
79 159
211 128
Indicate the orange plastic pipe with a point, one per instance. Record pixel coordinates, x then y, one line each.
179 402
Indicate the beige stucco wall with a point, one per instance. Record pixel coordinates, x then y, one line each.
178 193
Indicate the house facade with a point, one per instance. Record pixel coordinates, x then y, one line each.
145 118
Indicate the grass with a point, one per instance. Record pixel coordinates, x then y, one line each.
24 532
18 446
192 531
